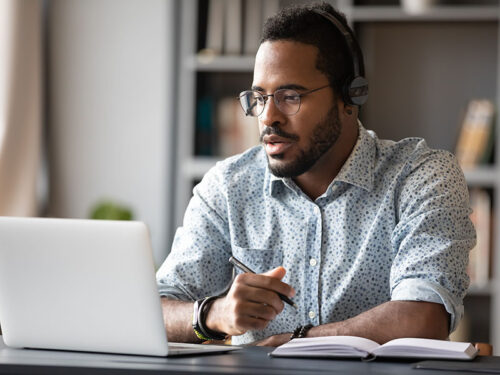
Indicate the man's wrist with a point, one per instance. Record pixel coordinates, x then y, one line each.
200 314
212 321
195 324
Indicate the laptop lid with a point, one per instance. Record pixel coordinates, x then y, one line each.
85 285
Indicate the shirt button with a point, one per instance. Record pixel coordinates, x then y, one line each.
313 262
312 314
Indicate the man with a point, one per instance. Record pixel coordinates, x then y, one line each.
368 237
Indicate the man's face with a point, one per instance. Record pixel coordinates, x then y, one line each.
295 143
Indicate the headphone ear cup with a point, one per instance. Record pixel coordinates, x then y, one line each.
346 88
357 91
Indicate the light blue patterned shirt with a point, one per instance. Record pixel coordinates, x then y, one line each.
393 225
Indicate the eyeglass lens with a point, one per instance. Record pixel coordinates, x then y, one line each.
253 102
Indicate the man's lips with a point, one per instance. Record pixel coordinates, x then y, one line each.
275 144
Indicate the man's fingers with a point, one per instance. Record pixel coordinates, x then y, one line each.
259 296
265 282
254 310
252 302
250 323
276 273
236 316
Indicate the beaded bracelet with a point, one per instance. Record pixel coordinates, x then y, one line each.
301 331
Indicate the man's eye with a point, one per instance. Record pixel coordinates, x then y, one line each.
291 98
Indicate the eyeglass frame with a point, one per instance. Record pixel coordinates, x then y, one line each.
266 96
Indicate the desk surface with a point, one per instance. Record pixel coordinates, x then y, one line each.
251 360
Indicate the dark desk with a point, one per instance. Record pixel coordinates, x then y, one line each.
251 360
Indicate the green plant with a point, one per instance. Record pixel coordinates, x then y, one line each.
108 210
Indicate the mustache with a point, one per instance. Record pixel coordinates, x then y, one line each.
279 132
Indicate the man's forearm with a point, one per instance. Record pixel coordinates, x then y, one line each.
392 320
177 317
388 321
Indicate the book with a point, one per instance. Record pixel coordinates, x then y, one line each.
359 347
479 257
235 131
232 27
474 143
252 26
215 26
204 132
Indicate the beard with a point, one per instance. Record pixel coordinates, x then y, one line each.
324 136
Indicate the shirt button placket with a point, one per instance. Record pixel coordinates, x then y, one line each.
314 259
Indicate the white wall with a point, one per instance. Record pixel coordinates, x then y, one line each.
110 74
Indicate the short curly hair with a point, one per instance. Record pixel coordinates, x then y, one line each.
300 23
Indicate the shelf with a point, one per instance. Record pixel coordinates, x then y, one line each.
438 13
486 176
217 63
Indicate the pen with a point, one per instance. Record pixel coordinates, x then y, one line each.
244 268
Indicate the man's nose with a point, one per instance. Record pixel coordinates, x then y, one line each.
271 115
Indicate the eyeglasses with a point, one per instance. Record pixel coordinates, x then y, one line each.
287 101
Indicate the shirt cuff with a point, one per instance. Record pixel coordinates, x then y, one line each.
171 292
425 291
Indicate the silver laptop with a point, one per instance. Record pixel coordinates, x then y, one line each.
84 285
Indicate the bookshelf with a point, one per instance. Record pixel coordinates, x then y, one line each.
440 59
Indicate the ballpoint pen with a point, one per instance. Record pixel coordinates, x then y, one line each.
244 268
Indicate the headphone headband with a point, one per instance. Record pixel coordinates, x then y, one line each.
356 89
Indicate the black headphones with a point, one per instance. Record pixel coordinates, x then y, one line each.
355 89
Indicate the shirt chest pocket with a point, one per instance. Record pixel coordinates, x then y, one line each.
258 260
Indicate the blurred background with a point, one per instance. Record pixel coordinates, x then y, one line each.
87 100
117 108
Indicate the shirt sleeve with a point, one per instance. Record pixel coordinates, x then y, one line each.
197 265
434 235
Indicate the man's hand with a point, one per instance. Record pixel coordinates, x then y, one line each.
251 303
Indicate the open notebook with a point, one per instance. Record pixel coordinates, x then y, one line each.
359 347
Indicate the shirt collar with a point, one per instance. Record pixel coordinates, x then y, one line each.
357 170
273 183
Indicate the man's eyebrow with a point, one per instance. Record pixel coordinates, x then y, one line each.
290 86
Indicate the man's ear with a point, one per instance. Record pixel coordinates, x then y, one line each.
347 112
